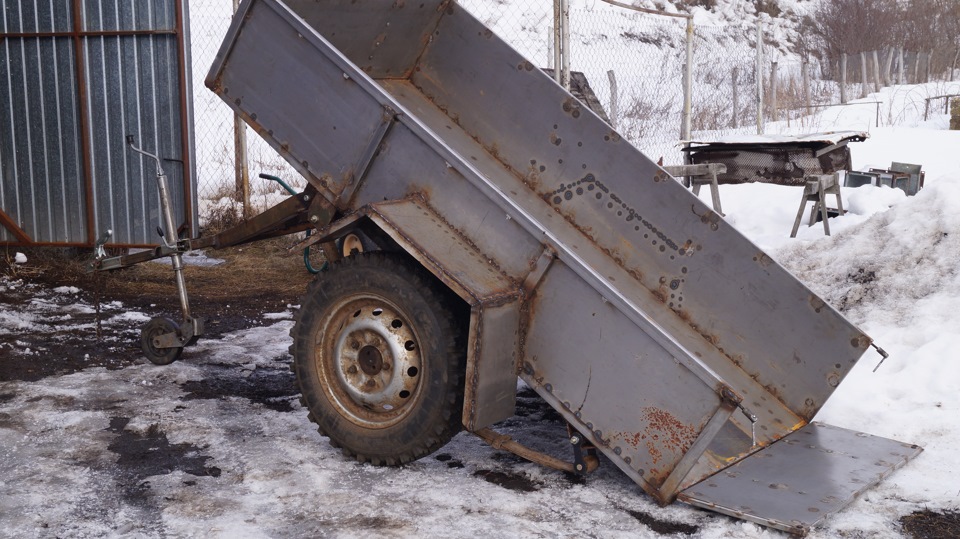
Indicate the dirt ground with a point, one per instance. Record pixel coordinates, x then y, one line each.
253 279
232 298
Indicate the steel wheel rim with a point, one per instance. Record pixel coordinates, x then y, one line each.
369 361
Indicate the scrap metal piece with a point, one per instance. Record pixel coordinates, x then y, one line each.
795 484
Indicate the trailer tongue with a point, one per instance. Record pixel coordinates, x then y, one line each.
519 235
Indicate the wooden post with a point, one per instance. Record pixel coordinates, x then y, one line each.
805 66
614 99
863 75
241 171
734 120
843 78
876 71
774 112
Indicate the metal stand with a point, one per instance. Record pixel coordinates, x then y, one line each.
162 339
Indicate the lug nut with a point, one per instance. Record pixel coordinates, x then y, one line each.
352 369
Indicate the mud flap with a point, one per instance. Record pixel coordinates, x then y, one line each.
797 482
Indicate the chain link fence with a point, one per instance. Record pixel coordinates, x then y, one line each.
633 62
220 138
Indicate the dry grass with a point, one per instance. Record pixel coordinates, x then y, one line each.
262 276
928 524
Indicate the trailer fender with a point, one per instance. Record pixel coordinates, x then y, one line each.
494 297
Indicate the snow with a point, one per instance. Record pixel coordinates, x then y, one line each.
828 137
892 265
20 258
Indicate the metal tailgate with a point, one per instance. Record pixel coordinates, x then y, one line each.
796 483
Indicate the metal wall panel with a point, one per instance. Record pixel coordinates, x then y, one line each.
41 187
22 16
124 15
66 174
128 82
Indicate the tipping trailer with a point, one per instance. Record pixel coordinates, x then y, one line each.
508 231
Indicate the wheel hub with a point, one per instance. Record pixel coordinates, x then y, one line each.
374 361
371 360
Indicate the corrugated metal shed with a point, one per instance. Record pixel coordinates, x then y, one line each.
76 77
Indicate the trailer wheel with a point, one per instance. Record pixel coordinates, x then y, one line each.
379 359
154 328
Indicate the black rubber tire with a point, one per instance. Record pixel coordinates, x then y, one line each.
158 326
342 300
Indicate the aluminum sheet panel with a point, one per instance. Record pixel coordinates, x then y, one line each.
796 483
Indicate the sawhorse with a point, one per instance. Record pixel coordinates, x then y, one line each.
816 190
699 175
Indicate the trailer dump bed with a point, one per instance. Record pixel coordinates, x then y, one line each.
656 329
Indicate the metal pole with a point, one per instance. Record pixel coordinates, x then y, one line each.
557 8
687 128
774 113
759 73
551 49
734 122
614 99
843 78
805 65
565 43
240 156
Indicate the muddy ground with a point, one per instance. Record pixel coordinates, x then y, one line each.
252 280
154 445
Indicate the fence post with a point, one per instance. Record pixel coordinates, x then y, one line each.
916 69
863 74
876 71
953 66
614 99
557 8
688 85
843 78
774 109
900 68
888 67
805 66
759 75
241 170
551 48
734 121
565 43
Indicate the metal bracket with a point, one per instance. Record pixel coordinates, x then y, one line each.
585 459
184 336
502 441
366 158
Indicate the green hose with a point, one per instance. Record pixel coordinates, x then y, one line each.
306 250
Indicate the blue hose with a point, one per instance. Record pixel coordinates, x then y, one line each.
306 250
